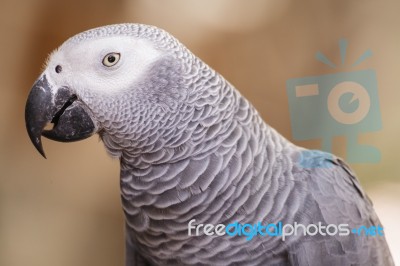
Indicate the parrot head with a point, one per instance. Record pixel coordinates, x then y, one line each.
111 80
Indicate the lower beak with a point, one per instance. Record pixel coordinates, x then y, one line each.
70 118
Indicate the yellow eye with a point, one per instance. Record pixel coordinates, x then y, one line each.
111 59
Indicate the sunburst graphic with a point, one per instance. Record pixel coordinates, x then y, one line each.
343 50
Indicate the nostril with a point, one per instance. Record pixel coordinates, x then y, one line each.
58 68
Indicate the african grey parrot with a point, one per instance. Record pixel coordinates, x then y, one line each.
194 151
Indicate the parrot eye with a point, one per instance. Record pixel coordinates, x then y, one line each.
111 59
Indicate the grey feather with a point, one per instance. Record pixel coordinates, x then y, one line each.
192 147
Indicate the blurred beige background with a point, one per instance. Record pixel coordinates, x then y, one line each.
66 210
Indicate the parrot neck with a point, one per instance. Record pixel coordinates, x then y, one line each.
234 157
214 160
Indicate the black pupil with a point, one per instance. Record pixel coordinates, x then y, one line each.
111 58
58 68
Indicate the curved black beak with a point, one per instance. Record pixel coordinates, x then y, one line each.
70 118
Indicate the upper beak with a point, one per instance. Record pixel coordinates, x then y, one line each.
70 118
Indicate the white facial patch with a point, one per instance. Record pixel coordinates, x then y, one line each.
83 68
